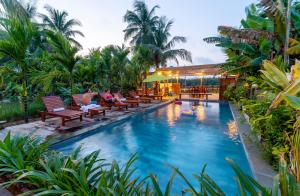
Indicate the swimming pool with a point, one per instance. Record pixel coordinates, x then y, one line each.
165 137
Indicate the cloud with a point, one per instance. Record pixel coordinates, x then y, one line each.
203 60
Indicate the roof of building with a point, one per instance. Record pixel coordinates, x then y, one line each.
193 70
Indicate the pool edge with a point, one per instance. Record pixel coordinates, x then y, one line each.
261 169
88 130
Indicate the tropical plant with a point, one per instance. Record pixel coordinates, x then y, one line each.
142 23
294 47
278 80
65 54
163 47
262 36
57 21
14 110
17 35
20 153
235 93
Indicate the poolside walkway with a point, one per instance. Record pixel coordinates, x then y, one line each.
261 169
52 129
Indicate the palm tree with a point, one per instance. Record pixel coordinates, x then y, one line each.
64 53
30 8
119 62
57 22
163 46
141 23
17 32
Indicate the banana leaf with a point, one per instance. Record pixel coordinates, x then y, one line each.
274 74
293 101
292 90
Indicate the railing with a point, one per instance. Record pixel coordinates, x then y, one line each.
201 89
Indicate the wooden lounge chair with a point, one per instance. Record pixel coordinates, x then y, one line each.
131 102
55 108
77 103
106 103
159 97
135 96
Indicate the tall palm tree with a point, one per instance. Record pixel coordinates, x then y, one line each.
17 32
64 53
163 46
141 23
57 21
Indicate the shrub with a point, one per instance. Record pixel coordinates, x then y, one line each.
274 129
255 108
235 93
15 111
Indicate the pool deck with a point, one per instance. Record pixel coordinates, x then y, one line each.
52 130
261 169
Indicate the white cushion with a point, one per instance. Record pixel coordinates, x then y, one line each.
58 109
137 97
85 108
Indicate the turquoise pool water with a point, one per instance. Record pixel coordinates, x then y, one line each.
165 137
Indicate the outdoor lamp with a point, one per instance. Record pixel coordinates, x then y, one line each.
254 86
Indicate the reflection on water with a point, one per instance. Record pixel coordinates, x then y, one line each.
200 113
174 112
232 130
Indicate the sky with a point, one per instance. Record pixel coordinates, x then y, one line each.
102 22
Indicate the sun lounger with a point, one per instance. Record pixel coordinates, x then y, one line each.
130 102
90 109
106 103
159 97
55 108
135 96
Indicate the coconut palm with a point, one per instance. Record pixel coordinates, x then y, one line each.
17 35
141 23
64 53
30 8
163 46
57 21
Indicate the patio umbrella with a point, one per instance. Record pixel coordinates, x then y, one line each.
156 78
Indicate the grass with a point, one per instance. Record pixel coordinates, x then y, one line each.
15 111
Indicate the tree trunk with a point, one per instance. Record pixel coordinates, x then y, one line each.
25 93
71 86
156 88
287 34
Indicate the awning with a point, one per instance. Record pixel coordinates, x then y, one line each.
156 78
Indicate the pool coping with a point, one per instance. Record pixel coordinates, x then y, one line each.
88 130
261 169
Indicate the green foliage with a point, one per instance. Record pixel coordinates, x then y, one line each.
17 34
20 153
260 37
255 108
235 93
57 21
141 23
274 128
15 111
153 32
163 49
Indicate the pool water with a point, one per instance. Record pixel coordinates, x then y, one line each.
165 137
